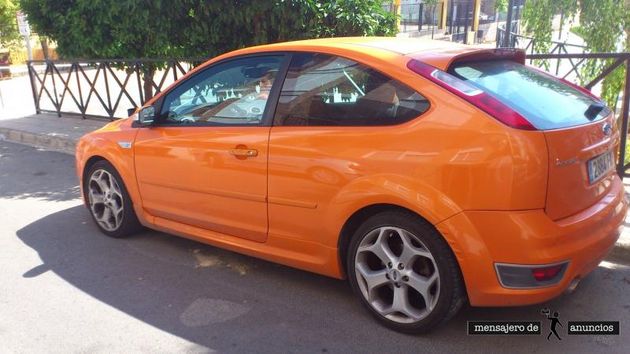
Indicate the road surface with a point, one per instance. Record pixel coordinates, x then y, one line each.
66 288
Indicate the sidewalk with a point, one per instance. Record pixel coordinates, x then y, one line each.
48 131
61 134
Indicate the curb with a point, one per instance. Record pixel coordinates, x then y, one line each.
50 142
619 253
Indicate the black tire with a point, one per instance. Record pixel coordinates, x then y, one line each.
452 294
129 224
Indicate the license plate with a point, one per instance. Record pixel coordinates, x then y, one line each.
599 166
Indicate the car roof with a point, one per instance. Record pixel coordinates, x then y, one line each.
433 52
439 54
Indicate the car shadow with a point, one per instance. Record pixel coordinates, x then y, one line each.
229 302
195 291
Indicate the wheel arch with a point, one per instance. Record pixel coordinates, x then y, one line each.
92 149
89 163
363 214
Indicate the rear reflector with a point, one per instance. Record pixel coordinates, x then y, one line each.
547 273
517 276
472 94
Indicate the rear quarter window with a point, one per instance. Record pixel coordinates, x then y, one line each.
326 90
544 100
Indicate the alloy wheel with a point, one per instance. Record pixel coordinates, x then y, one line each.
105 199
397 274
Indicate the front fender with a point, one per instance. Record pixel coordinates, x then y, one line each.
115 146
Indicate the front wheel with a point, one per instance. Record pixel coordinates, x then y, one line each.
404 272
109 202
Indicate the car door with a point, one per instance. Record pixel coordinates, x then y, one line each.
204 161
335 122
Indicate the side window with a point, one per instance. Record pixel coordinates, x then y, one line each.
230 93
322 90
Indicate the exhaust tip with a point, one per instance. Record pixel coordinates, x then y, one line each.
574 284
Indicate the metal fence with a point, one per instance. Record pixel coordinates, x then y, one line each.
104 88
459 20
553 64
529 44
100 88
420 18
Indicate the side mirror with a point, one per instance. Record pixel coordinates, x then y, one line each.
146 116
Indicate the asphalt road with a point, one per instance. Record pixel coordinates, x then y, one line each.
64 287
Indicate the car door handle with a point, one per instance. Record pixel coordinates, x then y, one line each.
244 152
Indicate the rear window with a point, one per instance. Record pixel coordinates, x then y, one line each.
544 100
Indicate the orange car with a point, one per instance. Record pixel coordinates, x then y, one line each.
427 173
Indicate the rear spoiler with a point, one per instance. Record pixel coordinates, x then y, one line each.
444 60
517 55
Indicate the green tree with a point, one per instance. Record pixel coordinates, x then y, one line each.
501 5
86 29
347 18
8 23
602 26
214 27
195 28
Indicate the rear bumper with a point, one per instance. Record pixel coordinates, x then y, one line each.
480 239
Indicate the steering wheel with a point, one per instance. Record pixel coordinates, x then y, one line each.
187 120
236 110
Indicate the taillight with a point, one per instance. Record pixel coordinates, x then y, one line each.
473 95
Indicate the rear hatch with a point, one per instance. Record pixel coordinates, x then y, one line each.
579 129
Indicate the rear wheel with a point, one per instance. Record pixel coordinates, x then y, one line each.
109 202
404 272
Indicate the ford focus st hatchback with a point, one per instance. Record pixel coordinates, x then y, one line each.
427 174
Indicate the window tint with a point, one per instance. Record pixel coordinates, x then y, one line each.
545 101
229 93
322 90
